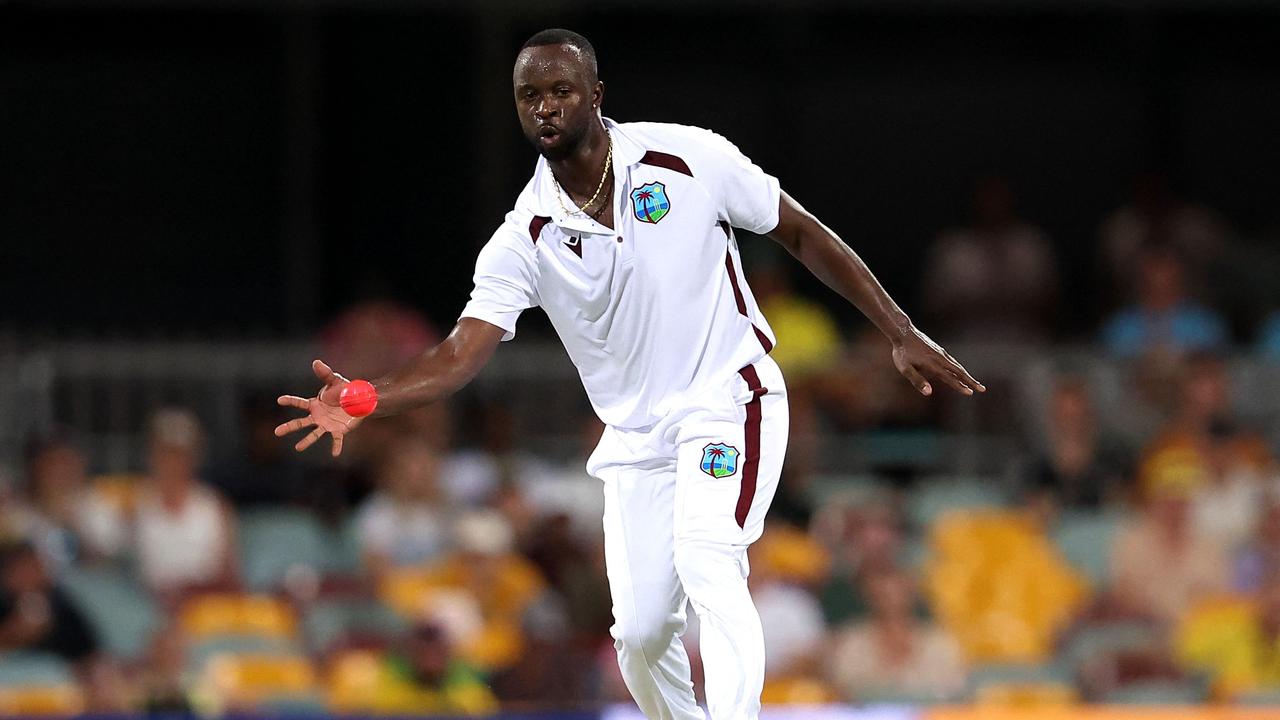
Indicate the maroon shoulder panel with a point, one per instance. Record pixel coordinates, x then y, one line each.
536 225
664 160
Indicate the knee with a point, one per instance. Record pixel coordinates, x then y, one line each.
648 636
707 567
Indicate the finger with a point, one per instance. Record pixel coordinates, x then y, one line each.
337 445
293 401
294 425
309 440
324 372
916 379
953 379
969 379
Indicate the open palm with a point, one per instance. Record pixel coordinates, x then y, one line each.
324 412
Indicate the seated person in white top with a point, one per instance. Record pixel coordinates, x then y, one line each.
184 532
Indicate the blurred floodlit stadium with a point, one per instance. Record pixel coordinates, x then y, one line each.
1079 198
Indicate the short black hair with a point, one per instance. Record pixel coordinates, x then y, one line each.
560 36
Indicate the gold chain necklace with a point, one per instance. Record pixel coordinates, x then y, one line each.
608 163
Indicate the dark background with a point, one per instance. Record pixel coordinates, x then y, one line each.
187 170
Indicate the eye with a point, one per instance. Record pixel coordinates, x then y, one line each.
562 91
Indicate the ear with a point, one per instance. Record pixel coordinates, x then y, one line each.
597 95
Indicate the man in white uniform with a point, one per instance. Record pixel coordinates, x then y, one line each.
625 238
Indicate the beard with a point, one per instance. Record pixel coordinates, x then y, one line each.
570 141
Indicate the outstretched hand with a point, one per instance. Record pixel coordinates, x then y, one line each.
323 411
919 358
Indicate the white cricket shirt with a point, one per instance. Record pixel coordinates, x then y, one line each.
655 312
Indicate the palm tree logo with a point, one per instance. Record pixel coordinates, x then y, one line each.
650 202
719 460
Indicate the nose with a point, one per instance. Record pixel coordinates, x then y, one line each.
545 110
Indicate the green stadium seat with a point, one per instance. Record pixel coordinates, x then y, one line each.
936 496
873 696
329 621
1158 692
985 675
23 668
846 489
199 654
1106 638
1085 540
311 706
1265 697
273 542
120 610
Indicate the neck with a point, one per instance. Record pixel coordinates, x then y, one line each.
580 172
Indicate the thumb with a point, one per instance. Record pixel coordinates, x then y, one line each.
325 373
922 386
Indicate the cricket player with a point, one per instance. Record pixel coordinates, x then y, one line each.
625 238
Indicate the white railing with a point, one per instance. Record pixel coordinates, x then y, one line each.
106 390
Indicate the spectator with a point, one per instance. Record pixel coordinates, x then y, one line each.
184 532
864 539
422 677
786 564
63 517
894 653
509 589
164 682
1236 462
473 475
1154 216
1161 563
36 614
404 522
1074 468
995 280
1164 319
1260 558
375 336
1235 641
441 684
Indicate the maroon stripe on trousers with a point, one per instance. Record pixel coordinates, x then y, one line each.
751 440
742 302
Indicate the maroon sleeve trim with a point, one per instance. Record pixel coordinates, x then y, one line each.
663 160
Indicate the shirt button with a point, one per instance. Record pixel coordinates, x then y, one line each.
619 238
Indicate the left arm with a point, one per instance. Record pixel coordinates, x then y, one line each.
839 268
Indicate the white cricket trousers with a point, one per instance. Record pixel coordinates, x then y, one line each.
677 524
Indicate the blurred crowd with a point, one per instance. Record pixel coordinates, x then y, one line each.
442 566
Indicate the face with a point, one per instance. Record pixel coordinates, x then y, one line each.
59 470
557 98
172 465
890 594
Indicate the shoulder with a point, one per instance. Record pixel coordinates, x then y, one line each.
699 148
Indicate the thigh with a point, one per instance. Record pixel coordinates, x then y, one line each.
728 464
639 542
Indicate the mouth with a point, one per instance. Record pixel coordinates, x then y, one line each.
548 134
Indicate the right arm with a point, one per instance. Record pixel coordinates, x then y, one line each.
440 371
505 286
433 375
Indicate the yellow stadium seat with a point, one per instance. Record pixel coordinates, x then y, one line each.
232 614
246 680
999 585
1027 695
797 691
45 700
361 682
